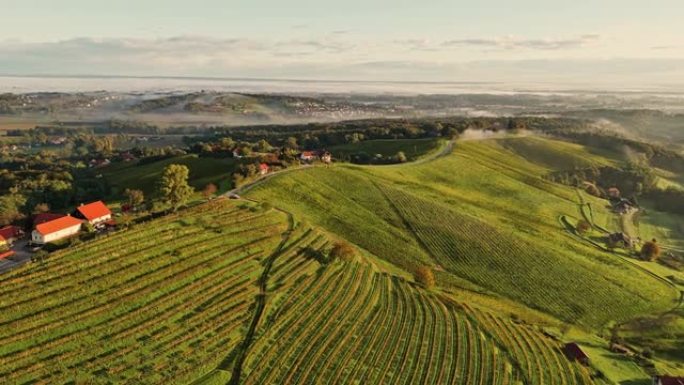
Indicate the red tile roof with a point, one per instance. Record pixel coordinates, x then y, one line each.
57 225
94 210
667 380
263 166
8 232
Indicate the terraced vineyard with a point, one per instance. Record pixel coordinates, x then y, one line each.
536 355
164 302
352 324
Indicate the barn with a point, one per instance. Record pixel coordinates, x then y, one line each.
574 352
94 213
55 229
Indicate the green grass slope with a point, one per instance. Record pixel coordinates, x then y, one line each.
483 214
145 176
412 148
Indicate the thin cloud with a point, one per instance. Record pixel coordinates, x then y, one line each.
511 42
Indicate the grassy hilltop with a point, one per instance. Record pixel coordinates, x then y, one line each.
482 214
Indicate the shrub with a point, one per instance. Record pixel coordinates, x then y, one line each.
647 353
266 206
583 226
650 250
343 251
425 277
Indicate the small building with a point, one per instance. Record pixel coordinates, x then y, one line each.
668 380
620 349
94 213
619 240
622 206
574 352
326 157
307 156
263 169
56 229
10 234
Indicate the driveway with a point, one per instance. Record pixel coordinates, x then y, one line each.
21 256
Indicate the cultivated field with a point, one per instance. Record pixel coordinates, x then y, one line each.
165 302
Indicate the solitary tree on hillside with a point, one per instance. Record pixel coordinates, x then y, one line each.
650 250
425 277
209 190
174 187
135 197
583 226
343 251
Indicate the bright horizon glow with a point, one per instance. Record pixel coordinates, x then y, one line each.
608 43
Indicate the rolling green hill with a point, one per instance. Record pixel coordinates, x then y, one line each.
483 214
233 292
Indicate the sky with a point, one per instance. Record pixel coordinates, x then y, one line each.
588 42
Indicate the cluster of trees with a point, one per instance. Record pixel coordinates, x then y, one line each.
633 179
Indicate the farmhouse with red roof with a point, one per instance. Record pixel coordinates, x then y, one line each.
56 229
94 213
263 169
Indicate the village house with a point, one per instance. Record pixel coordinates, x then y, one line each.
307 156
95 213
263 169
55 229
574 352
668 380
10 234
622 206
326 157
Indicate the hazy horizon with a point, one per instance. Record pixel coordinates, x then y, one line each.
608 45
161 84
